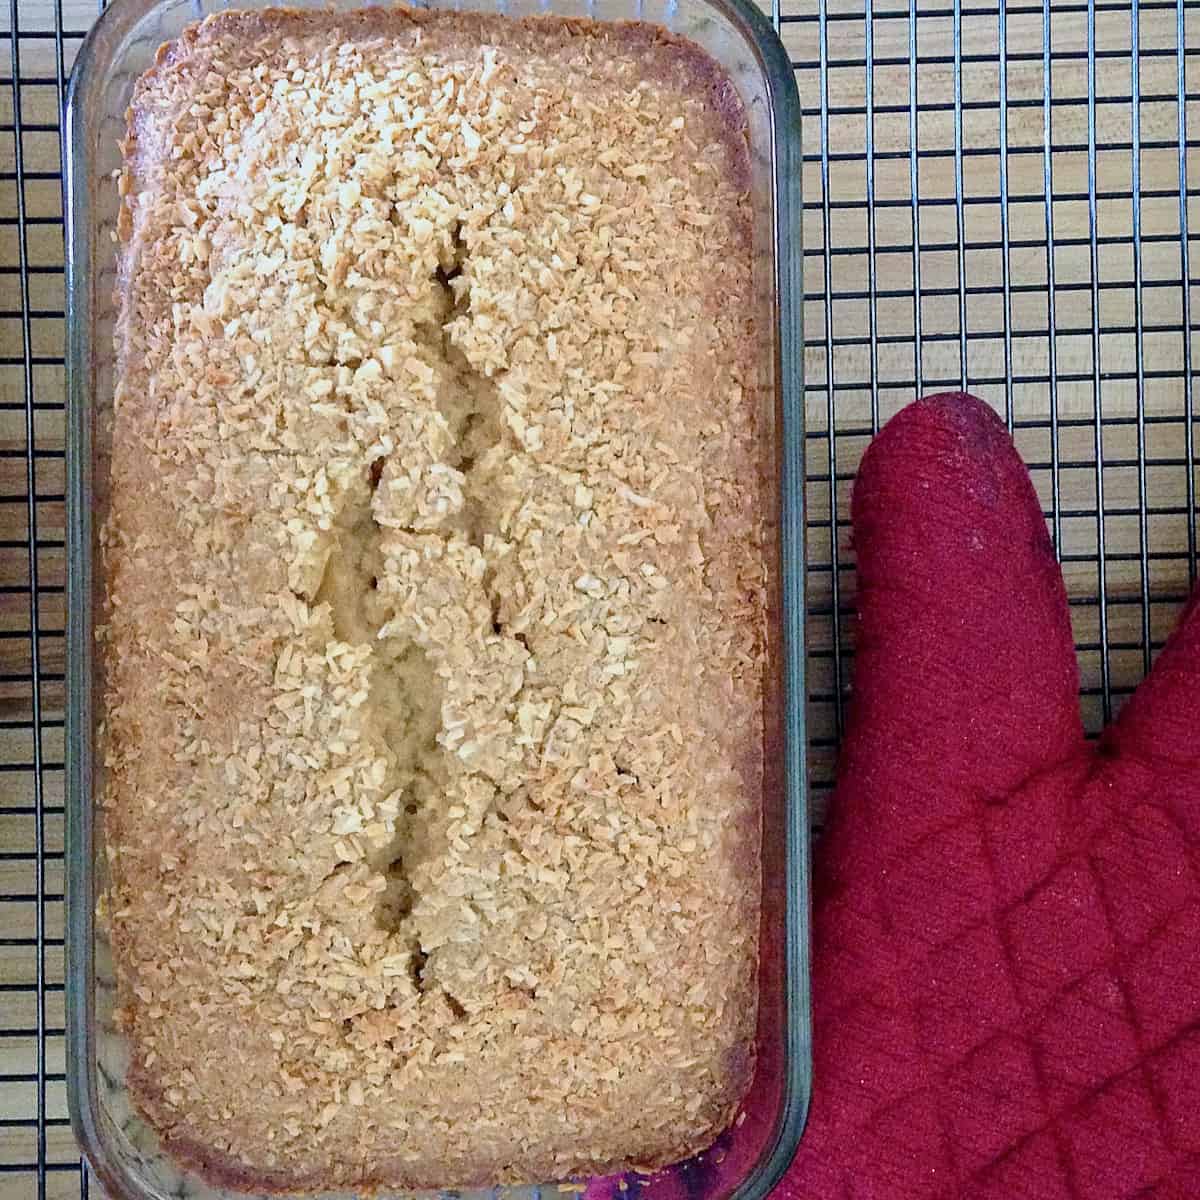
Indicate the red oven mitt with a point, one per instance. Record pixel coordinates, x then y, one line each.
1007 923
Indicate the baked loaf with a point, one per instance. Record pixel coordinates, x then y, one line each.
435 635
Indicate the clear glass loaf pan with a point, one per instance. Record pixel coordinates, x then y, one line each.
751 1156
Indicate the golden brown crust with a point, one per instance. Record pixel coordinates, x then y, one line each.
435 621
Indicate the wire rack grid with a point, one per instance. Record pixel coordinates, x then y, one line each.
997 198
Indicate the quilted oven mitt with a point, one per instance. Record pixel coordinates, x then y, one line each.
1007 917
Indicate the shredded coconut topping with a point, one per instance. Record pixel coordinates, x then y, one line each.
434 644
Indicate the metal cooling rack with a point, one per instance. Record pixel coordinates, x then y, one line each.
1004 187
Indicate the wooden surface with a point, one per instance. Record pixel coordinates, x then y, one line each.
1086 373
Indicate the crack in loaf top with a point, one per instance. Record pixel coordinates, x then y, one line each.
435 627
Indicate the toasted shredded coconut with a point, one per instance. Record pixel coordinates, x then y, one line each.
434 640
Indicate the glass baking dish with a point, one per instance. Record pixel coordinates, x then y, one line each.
750 1157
